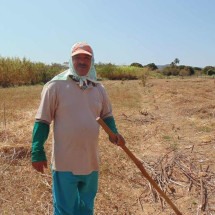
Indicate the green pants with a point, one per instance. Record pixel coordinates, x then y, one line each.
74 194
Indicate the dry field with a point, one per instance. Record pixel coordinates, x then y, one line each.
169 125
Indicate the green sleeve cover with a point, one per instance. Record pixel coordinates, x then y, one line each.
110 122
39 137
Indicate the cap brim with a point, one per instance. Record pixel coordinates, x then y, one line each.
81 52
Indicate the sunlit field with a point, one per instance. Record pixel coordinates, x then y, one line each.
169 124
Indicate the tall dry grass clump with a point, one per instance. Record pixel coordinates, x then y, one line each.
113 72
16 72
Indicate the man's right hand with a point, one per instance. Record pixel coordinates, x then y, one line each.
118 141
39 166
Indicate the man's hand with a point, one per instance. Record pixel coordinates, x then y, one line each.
39 166
119 140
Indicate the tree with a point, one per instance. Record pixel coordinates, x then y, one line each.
175 62
137 65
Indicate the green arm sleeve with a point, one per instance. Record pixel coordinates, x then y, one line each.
110 122
39 137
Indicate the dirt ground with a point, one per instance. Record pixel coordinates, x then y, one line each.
169 125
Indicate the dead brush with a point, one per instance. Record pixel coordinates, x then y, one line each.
8 152
178 174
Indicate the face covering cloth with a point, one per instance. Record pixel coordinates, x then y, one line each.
81 80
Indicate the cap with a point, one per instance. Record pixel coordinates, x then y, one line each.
81 48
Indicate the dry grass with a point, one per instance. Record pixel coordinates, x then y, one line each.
176 115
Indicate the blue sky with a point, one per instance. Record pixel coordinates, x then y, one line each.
120 32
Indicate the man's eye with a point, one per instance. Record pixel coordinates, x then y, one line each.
76 58
88 58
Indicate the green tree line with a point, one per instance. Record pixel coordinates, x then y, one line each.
16 72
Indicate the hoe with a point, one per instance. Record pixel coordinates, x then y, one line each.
140 166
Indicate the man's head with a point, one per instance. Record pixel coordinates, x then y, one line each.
82 55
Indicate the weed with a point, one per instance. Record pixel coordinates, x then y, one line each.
166 137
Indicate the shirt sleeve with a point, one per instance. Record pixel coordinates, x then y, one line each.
110 122
39 137
48 103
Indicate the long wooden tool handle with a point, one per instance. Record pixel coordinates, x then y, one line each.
139 165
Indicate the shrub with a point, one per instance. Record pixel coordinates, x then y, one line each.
184 72
171 70
207 68
211 72
144 77
178 70
151 66
190 70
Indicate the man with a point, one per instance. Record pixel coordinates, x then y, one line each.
73 100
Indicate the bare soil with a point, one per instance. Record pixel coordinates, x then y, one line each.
169 125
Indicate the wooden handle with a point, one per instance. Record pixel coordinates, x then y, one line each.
139 165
